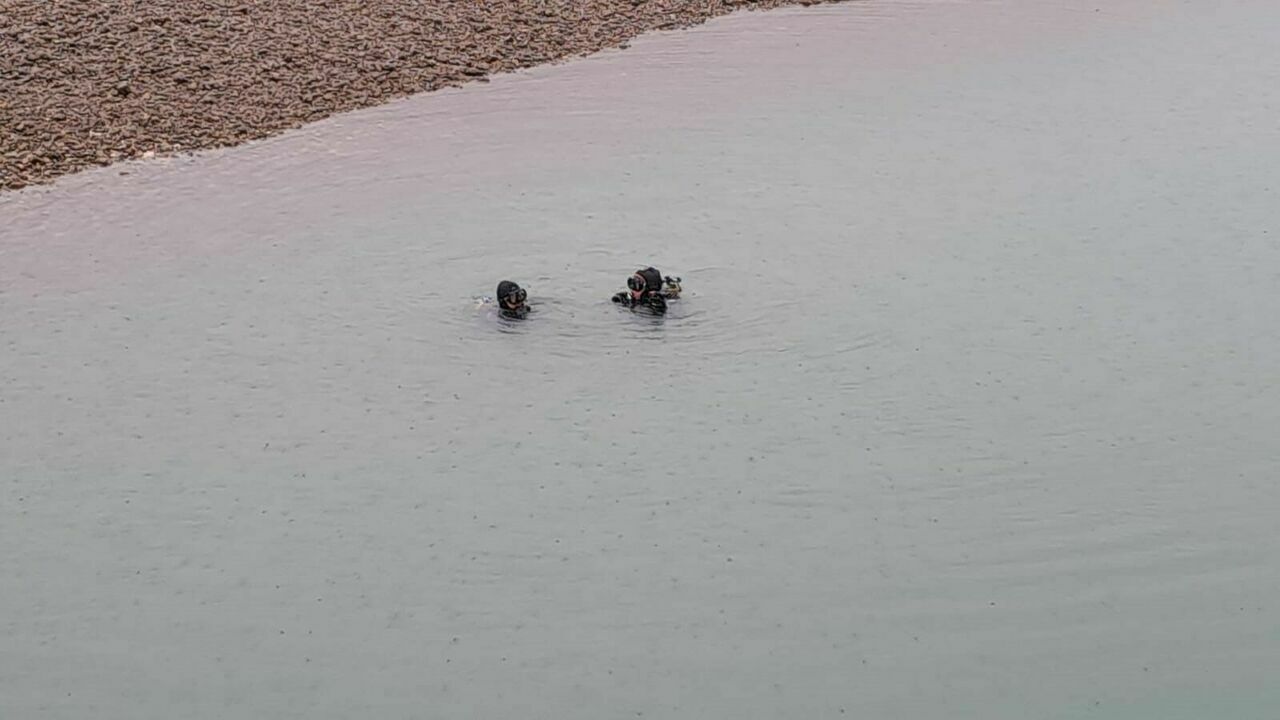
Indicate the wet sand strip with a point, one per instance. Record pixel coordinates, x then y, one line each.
89 82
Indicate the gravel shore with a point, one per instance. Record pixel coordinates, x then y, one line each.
89 82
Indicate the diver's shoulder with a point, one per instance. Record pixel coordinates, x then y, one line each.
671 287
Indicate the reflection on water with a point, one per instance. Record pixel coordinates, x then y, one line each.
967 411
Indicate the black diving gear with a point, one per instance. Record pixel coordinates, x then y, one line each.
648 289
511 300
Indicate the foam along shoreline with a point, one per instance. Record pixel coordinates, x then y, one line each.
85 85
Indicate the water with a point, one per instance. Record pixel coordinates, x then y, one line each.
969 411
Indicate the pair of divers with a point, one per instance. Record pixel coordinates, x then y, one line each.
647 290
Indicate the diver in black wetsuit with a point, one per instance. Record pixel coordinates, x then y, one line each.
511 301
647 289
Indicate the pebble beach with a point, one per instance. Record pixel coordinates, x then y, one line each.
85 83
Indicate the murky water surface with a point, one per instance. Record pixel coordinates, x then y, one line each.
970 411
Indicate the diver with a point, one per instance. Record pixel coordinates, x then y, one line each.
648 289
512 301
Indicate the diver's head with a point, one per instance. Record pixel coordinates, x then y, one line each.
511 296
644 282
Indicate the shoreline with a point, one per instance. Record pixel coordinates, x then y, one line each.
87 83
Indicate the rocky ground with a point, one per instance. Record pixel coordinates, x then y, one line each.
89 82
